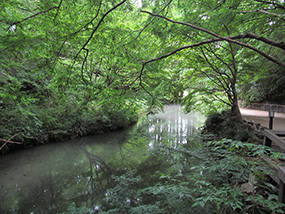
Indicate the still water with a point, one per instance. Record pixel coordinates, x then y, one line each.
47 179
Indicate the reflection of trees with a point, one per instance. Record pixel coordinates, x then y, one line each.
84 173
45 197
99 172
132 152
65 178
95 160
130 149
174 131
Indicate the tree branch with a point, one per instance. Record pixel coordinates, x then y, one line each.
131 54
97 26
221 100
9 141
58 7
32 16
141 30
262 11
234 73
271 3
219 38
99 8
262 39
223 81
230 39
214 80
140 78
83 64
222 61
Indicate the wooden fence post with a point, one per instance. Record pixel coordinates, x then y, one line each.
281 175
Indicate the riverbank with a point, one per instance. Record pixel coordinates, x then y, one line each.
70 127
81 170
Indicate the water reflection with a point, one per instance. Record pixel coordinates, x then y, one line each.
49 178
173 125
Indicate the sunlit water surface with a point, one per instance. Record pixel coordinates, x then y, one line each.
47 179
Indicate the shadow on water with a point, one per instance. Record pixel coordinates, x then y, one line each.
49 178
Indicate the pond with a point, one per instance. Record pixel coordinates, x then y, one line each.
96 171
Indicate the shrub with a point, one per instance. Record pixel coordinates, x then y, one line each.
224 125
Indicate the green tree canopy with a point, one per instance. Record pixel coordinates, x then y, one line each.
62 61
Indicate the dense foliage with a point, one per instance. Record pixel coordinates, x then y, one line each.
48 90
220 177
72 68
65 62
224 125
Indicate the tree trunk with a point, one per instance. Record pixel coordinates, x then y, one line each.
235 111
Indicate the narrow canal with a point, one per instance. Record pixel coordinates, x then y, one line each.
91 171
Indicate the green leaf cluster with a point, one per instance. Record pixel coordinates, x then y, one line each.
216 177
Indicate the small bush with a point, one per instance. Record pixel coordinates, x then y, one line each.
224 125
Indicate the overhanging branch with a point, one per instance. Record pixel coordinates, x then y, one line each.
32 16
86 25
141 30
272 3
262 11
221 38
58 7
97 26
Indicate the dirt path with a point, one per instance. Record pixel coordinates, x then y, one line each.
262 118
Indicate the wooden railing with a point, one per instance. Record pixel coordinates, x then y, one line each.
275 136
